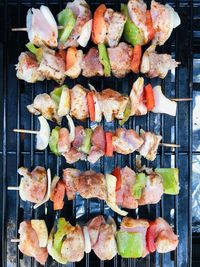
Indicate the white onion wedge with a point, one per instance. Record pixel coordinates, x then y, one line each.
64 105
111 221
88 246
162 103
111 194
41 230
54 182
43 135
50 18
47 196
85 34
71 128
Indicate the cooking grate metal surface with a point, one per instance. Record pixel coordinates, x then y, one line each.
19 150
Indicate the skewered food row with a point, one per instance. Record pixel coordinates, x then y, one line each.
91 144
75 24
123 187
45 63
82 103
136 238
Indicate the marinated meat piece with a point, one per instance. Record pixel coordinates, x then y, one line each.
29 243
73 246
124 194
156 65
120 59
153 190
27 68
164 237
98 144
73 156
137 12
115 24
150 145
112 104
136 226
41 27
52 65
94 228
79 136
126 141
82 13
137 97
91 65
91 185
79 107
69 176
45 105
164 19
64 144
106 247
33 185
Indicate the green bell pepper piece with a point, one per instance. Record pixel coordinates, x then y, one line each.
127 113
67 20
104 59
170 180
139 184
131 33
129 245
56 94
53 252
86 146
53 141
36 51
62 230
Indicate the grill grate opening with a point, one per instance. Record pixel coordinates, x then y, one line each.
16 150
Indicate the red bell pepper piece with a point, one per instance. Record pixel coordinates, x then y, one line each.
57 196
150 237
136 60
109 146
149 96
91 106
116 172
149 25
98 23
70 57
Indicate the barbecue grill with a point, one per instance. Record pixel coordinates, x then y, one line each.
19 150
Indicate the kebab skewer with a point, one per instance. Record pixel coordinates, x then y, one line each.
136 238
82 103
122 188
75 24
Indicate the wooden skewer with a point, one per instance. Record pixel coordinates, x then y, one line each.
16 188
181 99
25 131
25 29
169 145
15 240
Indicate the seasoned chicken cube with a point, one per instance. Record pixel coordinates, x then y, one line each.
45 105
93 228
112 104
98 145
33 185
29 243
69 176
27 68
79 107
126 141
41 27
120 59
91 185
73 245
150 145
73 156
52 65
91 64
64 144
115 24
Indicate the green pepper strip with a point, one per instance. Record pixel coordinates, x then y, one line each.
139 184
53 141
104 59
170 180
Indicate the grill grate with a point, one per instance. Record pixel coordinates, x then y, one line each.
16 150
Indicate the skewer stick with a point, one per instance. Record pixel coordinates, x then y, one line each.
169 145
15 240
16 188
25 29
25 131
181 99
